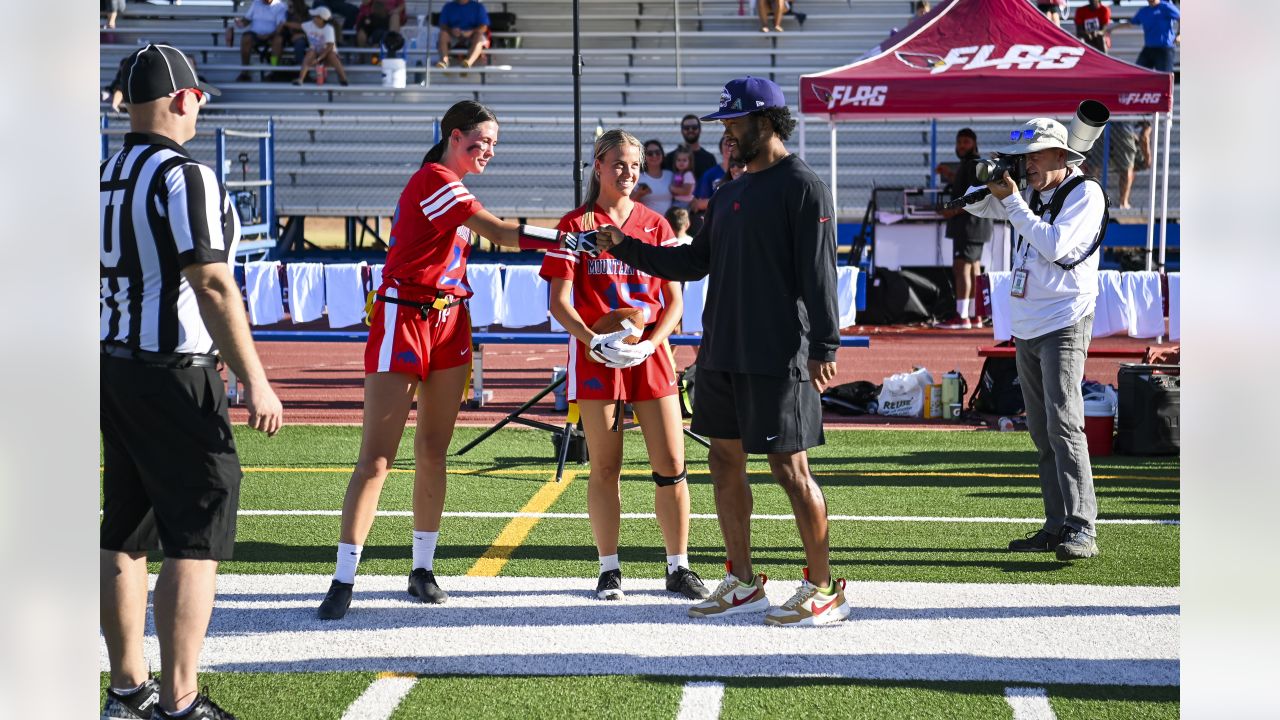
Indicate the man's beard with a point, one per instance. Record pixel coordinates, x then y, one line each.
749 145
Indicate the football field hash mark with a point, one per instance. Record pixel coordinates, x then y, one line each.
701 701
381 698
1029 703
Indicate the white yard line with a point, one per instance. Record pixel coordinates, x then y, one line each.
1029 703
1018 634
701 701
709 516
381 698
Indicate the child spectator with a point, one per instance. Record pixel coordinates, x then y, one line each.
678 219
323 51
682 182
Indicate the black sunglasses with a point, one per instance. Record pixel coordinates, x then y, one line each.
652 152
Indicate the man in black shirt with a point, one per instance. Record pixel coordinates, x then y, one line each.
769 347
691 131
968 234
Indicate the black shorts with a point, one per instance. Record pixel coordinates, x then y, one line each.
966 250
769 414
171 476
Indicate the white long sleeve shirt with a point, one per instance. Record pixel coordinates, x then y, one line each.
1056 298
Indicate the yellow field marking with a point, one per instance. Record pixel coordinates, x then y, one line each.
496 557
385 675
646 473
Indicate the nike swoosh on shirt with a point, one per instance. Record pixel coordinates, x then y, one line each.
771 438
823 219
655 227
464 351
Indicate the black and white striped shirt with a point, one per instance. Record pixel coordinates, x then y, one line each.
160 211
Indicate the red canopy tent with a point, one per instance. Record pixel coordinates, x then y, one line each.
984 58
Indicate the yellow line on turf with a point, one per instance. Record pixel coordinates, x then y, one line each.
496 557
819 473
384 675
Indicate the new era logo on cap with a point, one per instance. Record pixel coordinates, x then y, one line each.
746 95
157 71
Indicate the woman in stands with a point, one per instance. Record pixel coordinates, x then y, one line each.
653 188
420 342
603 373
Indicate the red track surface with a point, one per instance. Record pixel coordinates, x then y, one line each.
322 383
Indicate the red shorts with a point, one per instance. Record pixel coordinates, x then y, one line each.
401 341
589 380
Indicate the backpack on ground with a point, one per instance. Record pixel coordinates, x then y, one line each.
997 391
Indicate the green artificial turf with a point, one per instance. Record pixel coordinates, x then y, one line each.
281 696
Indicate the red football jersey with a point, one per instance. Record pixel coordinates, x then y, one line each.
606 283
429 245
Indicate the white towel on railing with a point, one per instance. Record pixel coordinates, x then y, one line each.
1146 304
1175 306
486 304
524 297
375 271
1001 323
344 293
306 291
1111 311
262 284
847 294
695 296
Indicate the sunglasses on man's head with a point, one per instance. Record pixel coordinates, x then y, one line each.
1016 135
201 96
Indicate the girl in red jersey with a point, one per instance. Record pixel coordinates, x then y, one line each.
420 342
584 289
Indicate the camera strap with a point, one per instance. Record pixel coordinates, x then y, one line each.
1055 207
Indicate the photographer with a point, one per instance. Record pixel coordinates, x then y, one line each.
1054 287
969 234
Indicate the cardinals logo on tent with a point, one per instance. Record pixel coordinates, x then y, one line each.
921 61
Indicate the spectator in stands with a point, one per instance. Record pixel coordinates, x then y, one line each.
264 23
463 21
112 8
691 131
969 234
922 8
1052 10
323 50
736 169
682 182
376 18
654 187
1128 141
710 180
299 15
344 14
1160 21
1092 21
764 7
678 219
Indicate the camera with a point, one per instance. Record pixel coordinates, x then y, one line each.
988 170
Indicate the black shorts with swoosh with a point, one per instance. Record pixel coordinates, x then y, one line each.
769 414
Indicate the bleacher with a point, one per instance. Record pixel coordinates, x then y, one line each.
346 151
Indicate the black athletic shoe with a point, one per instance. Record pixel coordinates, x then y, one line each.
336 601
1039 541
205 709
137 704
609 586
422 585
687 583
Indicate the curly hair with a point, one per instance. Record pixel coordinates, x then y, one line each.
781 120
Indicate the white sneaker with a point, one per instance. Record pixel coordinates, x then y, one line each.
732 597
811 606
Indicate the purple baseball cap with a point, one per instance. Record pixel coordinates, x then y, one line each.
747 95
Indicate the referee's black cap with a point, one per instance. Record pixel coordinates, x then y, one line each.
747 95
156 71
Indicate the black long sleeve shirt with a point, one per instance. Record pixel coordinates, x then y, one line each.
769 246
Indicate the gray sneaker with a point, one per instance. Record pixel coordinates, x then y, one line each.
1076 545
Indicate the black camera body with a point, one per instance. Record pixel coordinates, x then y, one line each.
989 169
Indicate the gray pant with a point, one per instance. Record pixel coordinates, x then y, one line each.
1050 370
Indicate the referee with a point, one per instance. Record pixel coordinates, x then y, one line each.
171 476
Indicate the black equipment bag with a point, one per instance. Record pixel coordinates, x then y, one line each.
856 398
1148 419
998 391
577 445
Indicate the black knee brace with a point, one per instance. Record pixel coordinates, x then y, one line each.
665 481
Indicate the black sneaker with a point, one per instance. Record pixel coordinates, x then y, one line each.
1039 541
1076 545
609 587
336 601
137 704
687 583
204 709
422 585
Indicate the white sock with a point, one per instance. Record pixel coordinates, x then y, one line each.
185 711
424 549
675 561
963 308
348 560
609 562
126 691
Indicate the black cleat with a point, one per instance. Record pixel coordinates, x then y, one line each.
204 709
336 601
1040 541
422 585
609 586
687 583
137 704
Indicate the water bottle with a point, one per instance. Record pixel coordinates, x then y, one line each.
561 392
319 74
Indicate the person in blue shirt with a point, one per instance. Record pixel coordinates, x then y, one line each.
1159 21
463 20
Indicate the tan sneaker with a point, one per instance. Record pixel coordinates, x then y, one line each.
811 606
732 597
